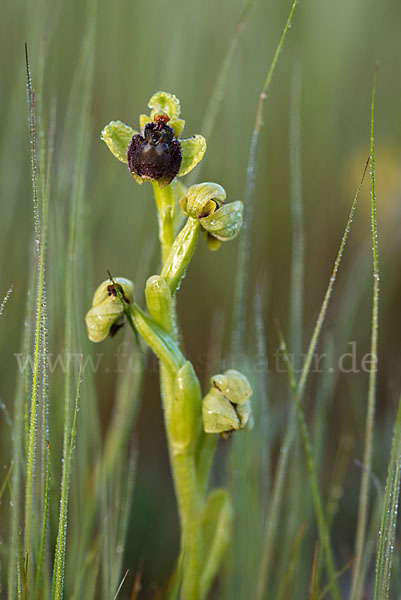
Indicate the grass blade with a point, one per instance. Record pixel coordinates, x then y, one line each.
317 500
241 280
389 516
356 590
59 559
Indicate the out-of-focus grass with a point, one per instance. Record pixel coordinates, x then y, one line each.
138 49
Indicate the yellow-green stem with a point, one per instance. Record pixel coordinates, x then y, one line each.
165 202
183 463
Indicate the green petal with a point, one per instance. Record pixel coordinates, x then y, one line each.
143 119
178 126
193 150
163 102
212 242
225 223
117 136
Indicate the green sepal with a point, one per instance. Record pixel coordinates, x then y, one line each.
159 301
193 149
216 523
218 413
164 103
185 410
118 136
225 223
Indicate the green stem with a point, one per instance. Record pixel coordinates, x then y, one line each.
176 256
165 202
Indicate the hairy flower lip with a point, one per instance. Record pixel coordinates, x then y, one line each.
156 155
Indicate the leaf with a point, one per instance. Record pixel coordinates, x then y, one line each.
193 150
216 528
117 136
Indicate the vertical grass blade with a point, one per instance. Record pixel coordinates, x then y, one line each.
241 280
39 366
317 500
278 485
389 516
59 558
357 583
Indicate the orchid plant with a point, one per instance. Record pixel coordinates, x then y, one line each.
158 154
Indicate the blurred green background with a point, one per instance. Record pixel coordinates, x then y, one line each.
142 47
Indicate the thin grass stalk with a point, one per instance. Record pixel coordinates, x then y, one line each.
317 500
45 519
389 516
301 508
23 380
326 300
278 485
59 560
357 583
70 284
241 281
38 365
124 502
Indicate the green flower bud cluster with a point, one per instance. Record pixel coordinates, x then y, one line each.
220 221
107 313
227 407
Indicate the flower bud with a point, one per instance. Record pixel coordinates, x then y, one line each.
233 385
107 313
220 221
218 413
185 409
202 199
226 407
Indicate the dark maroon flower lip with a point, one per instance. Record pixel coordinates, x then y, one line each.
157 154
